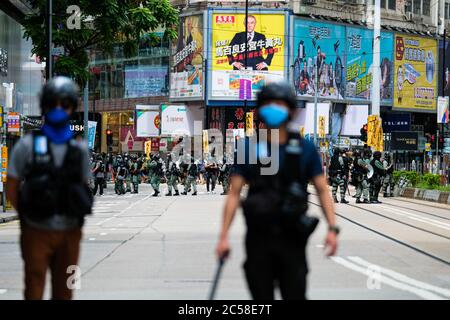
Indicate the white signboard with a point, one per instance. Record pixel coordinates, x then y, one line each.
354 118
179 119
442 110
147 121
305 118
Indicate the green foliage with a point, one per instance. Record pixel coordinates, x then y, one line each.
104 24
426 181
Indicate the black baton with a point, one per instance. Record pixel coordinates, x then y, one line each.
216 279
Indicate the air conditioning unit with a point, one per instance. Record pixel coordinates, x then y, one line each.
309 1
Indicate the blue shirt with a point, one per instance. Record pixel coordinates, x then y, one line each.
310 161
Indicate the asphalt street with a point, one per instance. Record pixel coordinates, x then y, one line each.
142 247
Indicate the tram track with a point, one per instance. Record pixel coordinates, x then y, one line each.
392 238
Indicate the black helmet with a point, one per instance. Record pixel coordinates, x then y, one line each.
336 151
356 153
278 91
367 152
387 155
99 157
59 90
377 154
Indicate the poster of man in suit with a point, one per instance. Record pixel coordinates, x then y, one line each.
186 75
246 58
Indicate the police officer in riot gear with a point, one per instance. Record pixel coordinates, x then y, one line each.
54 197
275 208
121 175
135 172
359 177
377 177
172 177
99 172
337 175
388 181
224 176
191 180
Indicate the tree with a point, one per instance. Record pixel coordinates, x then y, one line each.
104 24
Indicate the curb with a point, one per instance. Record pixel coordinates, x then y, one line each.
427 195
8 219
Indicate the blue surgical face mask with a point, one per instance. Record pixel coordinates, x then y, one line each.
56 126
274 115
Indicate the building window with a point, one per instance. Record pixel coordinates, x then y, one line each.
391 4
426 7
417 6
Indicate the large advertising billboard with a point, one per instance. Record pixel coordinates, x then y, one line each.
186 76
147 120
233 74
321 44
359 60
415 72
444 73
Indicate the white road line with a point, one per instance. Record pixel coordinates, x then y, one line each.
393 283
403 278
103 234
91 239
415 217
3 291
121 212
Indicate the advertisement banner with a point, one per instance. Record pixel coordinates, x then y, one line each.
179 119
442 111
321 44
147 120
444 69
13 122
186 76
396 122
415 73
92 129
404 140
145 81
359 60
234 76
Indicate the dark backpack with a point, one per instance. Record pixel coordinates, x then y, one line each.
48 190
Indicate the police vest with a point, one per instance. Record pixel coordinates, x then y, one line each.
377 171
279 201
335 166
48 190
193 170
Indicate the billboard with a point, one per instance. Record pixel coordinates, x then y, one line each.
179 119
321 44
145 81
186 76
404 140
233 74
415 72
147 121
444 73
359 59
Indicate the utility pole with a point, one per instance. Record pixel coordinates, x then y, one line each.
246 54
316 84
376 60
86 110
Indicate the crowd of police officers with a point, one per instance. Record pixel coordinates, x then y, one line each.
129 170
368 172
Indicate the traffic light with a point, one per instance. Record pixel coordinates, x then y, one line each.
109 138
363 132
441 143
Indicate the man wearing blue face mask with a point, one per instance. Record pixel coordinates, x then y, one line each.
54 197
275 208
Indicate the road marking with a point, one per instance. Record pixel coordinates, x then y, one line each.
91 239
3 291
124 210
403 278
113 229
382 278
415 217
103 234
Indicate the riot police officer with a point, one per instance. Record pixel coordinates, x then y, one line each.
172 177
377 177
191 180
99 172
156 169
388 181
359 177
135 171
52 165
224 176
337 175
121 175
275 208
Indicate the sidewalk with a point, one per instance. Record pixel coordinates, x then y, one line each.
8 216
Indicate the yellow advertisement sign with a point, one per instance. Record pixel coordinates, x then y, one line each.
235 75
205 141
321 127
375 137
249 123
415 73
148 148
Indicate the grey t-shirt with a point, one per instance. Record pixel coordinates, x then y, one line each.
22 156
